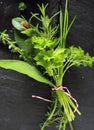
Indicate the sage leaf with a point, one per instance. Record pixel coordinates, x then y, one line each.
24 68
16 22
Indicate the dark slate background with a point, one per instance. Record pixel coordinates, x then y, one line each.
18 111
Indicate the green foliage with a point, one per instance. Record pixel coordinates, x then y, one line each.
51 60
42 43
25 44
77 57
45 29
19 23
43 47
22 6
7 40
28 31
24 68
64 25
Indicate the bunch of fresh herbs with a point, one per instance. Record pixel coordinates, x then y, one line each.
47 59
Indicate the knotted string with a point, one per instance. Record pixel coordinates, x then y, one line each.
67 92
64 90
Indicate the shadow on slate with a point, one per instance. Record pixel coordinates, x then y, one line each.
18 111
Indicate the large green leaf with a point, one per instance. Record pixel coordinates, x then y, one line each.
24 68
19 38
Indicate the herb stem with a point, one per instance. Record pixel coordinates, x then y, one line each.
50 116
71 126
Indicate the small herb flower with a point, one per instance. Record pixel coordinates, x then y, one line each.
24 24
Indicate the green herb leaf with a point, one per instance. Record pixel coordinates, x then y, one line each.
22 6
78 57
18 23
27 31
24 68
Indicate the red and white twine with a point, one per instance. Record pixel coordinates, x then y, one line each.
67 92
64 90
44 99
